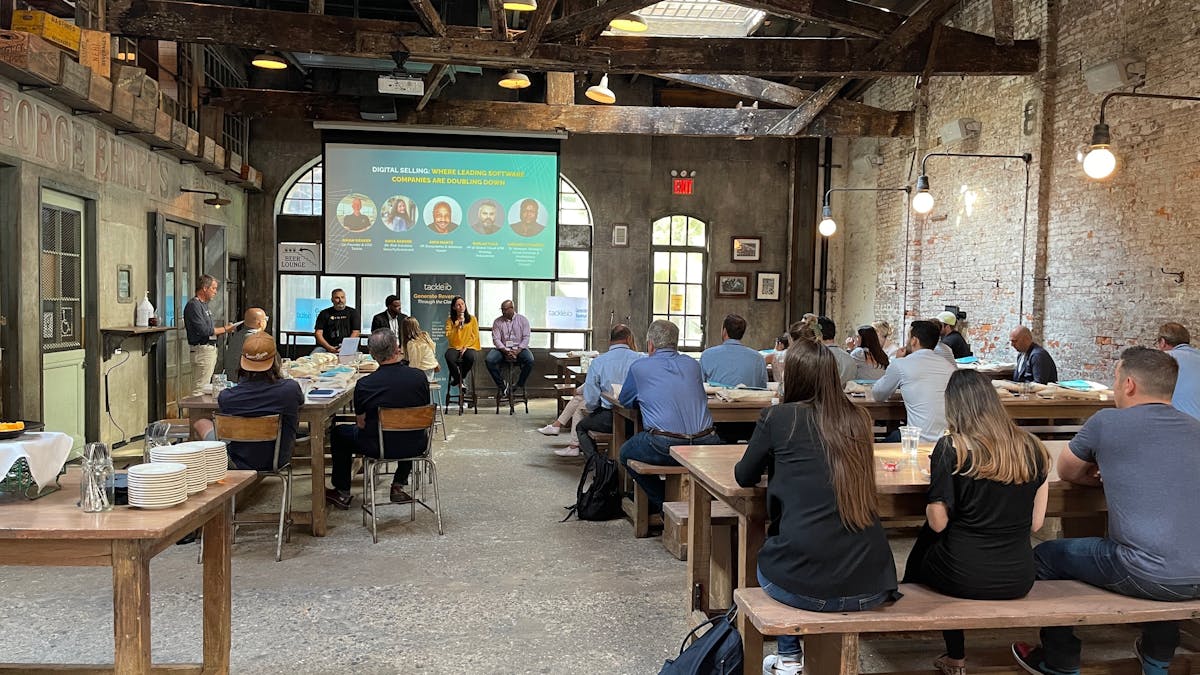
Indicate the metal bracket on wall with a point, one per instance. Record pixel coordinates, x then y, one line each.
993 281
186 162
1178 275
32 87
1045 279
954 285
81 113
159 148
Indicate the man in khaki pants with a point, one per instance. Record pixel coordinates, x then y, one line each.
202 334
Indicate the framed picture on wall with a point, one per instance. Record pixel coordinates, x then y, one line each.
733 285
746 249
620 236
767 286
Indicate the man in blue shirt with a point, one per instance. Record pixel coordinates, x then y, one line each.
669 389
731 363
608 369
1175 340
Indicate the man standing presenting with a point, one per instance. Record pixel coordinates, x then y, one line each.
731 363
394 385
202 334
254 321
336 323
921 377
669 389
1146 452
950 335
1033 363
608 369
1175 340
391 317
510 335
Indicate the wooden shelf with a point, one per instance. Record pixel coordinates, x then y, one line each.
113 338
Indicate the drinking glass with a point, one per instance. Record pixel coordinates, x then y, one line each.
96 486
1026 389
910 437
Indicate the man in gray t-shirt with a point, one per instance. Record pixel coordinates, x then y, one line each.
1145 455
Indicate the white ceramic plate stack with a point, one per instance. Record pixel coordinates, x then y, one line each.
157 485
216 461
190 455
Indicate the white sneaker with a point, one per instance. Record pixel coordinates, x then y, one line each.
567 452
777 665
550 430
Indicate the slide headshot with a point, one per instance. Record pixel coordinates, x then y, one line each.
443 215
527 217
399 214
484 216
356 212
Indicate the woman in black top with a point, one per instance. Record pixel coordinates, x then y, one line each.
825 549
987 492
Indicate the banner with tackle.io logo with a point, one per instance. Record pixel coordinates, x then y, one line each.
430 296
567 313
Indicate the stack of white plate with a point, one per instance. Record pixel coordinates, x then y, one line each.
158 485
190 455
216 461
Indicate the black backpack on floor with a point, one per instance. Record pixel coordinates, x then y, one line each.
598 496
717 652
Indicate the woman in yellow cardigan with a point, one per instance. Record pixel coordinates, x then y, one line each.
462 333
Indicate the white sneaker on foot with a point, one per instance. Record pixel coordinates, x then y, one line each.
567 452
550 430
777 665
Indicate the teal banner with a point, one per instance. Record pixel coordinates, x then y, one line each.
429 303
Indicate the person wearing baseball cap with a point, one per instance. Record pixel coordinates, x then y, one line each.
951 337
261 391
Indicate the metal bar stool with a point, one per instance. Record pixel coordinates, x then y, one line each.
511 393
456 393
439 417
402 419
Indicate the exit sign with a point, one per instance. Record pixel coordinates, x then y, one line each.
682 186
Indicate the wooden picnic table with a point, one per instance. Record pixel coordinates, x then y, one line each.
1020 409
317 412
901 497
53 531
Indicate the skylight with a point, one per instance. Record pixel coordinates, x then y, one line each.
699 18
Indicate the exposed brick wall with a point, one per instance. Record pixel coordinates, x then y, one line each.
1102 244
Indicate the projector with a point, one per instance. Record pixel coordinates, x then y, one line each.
398 85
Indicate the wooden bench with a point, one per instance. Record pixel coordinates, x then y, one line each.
675 525
638 509
831 640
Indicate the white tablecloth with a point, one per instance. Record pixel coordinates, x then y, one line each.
45 451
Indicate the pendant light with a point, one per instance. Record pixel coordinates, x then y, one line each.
269 61
827 225
600 93
1100 162
514 79
520 5
922 202
630 23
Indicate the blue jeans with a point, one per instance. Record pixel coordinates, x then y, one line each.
496 357
789 645
1094 561
651 449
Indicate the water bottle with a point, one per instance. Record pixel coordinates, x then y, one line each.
585 362
144 311
96 487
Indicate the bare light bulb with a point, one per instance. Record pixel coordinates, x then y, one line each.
922 202
1099 162
827 227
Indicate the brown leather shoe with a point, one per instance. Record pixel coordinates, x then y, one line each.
399 496
337 499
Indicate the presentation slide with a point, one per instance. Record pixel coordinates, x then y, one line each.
393 210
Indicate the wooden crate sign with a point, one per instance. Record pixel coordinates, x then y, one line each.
28 59
48 27
122 104
129 78
191 143
145 115
95 51
75 79
100 92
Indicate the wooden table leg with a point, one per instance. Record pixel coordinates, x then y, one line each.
831 654
131 606
316 432
217 590
752 645
752 533
699 547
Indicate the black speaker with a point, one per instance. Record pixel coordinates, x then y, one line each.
377 109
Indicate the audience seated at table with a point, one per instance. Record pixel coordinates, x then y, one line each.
884 330
394 385
781 345
253 321
1175 340
1034 363
846 366
1145 452
261 391
462 338
510 335
418 347
941 348
825 549
732 363
951 337
669 389
870 359
921 377
570 417
987 492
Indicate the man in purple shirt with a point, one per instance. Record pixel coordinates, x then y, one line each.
510 334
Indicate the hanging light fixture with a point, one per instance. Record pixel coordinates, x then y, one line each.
600 93
827 226
922 202
269 61
1099 161
630 23
514 79
520 5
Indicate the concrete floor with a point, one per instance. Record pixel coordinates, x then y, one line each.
508 589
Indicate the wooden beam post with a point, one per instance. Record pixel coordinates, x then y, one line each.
533 34
499 21
599 16
560 88
429 17
316 6
433 79
1002 20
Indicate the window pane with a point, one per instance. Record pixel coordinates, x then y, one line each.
531 301
297 207
695 299
573 217
573 265
405 294
678 230
539 340
571 289
317 173
291 287
301 191
660 298
678 266
470 297
345 283
491 295
692 333
695 268
374 291
569 341
695 232
662 266
662 232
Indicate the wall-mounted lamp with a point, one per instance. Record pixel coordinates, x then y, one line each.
1100 162
214 200
828 226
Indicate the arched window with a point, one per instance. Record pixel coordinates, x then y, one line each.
304 198
679 245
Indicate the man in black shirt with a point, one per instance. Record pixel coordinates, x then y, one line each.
202 334
336 323
391 317
394 385
951 337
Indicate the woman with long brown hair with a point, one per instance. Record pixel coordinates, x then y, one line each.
825 549
987 492
869 357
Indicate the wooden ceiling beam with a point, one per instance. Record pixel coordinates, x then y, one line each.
537 25
428 15
499 20
852 17
573 24
743 86
579 119
1002 20
433 79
